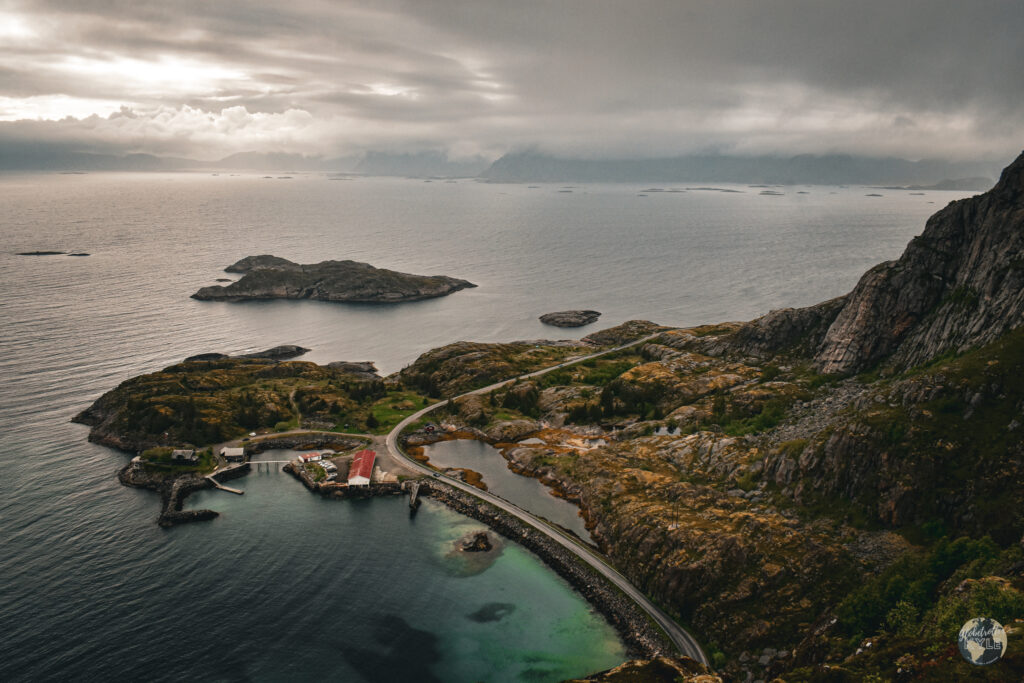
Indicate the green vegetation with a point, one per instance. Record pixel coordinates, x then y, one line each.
911 585
158 460
205 402
318 473
770 414
969 424
461 367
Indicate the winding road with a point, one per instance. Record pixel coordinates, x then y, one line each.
682 639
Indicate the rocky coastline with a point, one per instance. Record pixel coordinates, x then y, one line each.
174 490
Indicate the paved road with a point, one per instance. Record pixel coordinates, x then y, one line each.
676 633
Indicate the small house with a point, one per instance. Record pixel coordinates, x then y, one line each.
310 457
184 457
233 454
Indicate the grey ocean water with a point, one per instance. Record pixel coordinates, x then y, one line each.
285 586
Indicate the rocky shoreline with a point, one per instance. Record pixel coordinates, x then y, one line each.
174 490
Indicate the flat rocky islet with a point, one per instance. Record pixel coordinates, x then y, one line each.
574 318
272 277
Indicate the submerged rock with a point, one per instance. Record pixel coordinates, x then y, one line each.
570 318
478 542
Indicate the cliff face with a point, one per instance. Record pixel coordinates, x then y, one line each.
958 285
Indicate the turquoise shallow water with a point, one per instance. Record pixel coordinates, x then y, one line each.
284 585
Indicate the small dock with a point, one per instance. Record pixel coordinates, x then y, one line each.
212 478
222 487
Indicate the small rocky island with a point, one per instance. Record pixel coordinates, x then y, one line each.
272 277
570 318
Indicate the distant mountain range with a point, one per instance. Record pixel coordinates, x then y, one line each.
536 167
834 169
420 165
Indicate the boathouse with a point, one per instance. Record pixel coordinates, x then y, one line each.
233 454
310 457
362 468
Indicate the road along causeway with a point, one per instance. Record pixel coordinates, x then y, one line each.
680 637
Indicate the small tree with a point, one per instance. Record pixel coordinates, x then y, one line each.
372 422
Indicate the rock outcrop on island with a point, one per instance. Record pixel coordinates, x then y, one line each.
570 318
362 369
250 263
283 352
271 277
210 399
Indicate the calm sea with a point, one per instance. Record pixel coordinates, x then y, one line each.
284 585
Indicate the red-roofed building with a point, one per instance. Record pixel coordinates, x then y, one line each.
310 457
362 468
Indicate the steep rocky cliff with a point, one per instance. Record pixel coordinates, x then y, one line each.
958 285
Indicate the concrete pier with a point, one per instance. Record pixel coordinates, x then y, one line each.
235 470
414 492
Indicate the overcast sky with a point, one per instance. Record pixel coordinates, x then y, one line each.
206 78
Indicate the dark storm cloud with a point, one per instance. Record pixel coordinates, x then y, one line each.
590 77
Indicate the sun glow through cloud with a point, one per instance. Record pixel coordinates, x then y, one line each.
164 76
